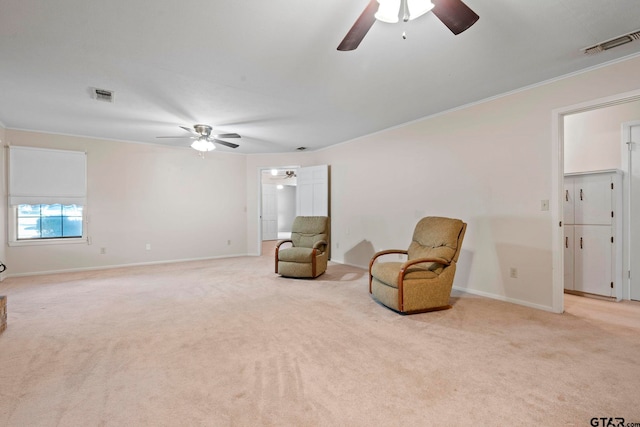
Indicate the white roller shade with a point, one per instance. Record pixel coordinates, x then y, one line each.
44 176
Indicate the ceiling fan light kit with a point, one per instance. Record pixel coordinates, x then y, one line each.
202 144
390 10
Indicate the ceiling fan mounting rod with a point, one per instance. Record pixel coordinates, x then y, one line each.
405 11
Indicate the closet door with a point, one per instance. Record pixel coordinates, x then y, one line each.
569 196
593 270
593 199
569 283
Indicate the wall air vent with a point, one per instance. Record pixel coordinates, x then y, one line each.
301 148
102 94
610 44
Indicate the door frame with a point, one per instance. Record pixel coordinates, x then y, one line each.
626 223
557 182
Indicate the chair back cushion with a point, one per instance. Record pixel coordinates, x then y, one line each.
306 231
436 237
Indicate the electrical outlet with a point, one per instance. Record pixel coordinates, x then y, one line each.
148 246
228 242
338 245
544 205
103 251
513 272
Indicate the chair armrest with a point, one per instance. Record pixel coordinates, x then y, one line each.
385 252
403 270
320 243
379 254
415 261
280 242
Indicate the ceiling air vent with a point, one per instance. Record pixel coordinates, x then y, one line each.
102 94
610 44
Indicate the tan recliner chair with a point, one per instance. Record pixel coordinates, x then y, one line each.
424 281
307 257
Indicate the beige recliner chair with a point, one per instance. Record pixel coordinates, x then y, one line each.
424 281
307 257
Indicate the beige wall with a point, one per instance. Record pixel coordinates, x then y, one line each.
593 139
184 206
489 164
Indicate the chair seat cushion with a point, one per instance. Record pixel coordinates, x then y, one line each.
295 254
387 272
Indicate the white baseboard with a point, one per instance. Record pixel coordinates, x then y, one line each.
109 267
505 299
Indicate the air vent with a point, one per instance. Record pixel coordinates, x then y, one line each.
301 148
610 44
102 94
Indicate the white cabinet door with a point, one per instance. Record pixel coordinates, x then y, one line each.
568 257
269 212
593 199
593 267
312 194
569 196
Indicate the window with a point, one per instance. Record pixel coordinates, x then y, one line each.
49 221
47 196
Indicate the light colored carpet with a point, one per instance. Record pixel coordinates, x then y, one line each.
229 343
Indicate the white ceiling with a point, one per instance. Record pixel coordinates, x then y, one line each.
270 71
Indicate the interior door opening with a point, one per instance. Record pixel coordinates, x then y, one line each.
278 202
590 140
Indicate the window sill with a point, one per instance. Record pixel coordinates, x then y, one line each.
44 242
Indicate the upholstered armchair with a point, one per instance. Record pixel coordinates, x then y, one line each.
306 256
424 281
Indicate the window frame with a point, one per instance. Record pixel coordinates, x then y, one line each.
13 240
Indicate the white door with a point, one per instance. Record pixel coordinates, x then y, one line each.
634 225
593 259
569 195
568 257
593 199
269 212
312 195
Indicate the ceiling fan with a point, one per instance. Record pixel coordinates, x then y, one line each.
204 140
456 15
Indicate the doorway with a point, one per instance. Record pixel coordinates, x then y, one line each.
612 160
278 202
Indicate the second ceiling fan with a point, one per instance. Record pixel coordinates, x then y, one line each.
456 15
203 138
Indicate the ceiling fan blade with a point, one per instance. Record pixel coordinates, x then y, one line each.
174 137
188 129
360 28
456 15
226 144
227 135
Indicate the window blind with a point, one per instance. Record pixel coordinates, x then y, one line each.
46 176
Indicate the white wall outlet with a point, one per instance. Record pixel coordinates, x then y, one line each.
103 251
544 205
148 246
337 245
228 242
513 273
